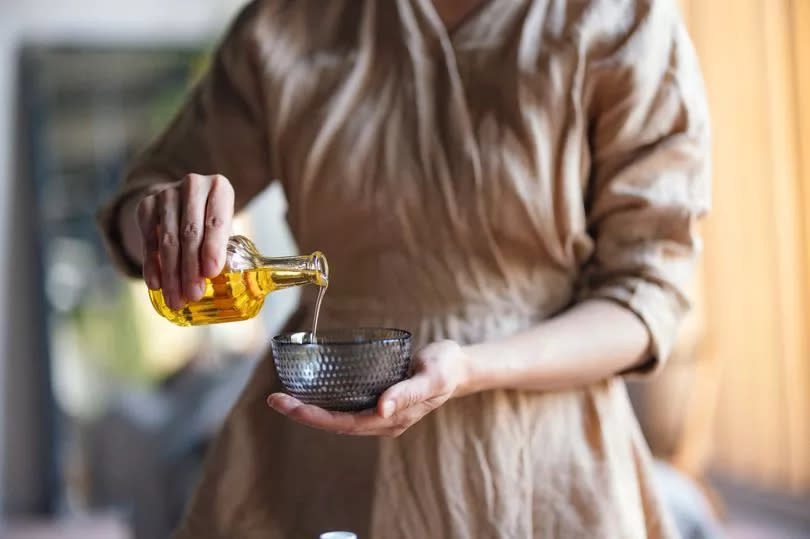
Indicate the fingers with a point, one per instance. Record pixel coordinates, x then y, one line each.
365 423
185 231
194 194
169 248
148 224
314 416
218 216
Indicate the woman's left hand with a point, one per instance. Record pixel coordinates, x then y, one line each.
439 371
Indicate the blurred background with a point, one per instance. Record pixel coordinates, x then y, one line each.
106 411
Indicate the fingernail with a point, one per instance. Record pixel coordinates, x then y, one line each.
388 409
276 401
196 290
210 267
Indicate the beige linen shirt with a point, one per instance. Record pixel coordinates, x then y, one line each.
464 185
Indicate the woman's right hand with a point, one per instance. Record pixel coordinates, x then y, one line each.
184 230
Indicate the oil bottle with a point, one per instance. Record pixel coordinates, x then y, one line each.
238 292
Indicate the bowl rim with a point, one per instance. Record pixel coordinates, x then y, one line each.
404 336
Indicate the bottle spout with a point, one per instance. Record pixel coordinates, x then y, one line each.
321 267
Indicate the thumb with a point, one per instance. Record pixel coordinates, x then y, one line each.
403 395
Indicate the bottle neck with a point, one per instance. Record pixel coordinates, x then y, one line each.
292 271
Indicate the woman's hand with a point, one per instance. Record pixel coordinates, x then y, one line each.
439 372
184 230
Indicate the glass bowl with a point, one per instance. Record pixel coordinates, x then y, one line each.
343 369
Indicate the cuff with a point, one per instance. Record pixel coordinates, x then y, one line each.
660 310
108 223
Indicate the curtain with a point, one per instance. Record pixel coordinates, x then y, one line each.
748 408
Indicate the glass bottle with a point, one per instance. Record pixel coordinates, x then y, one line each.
238 292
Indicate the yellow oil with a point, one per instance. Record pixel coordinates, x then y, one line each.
236 295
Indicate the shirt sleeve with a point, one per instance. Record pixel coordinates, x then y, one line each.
222 128
649 136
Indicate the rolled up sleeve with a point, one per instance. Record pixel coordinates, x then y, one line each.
649 179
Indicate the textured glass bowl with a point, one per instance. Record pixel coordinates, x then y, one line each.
345 369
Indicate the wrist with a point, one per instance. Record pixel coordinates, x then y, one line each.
472 375
128 230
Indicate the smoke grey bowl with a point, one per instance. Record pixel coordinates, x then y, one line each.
345 369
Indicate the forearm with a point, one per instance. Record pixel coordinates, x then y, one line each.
590 341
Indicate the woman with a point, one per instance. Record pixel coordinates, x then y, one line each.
514 181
